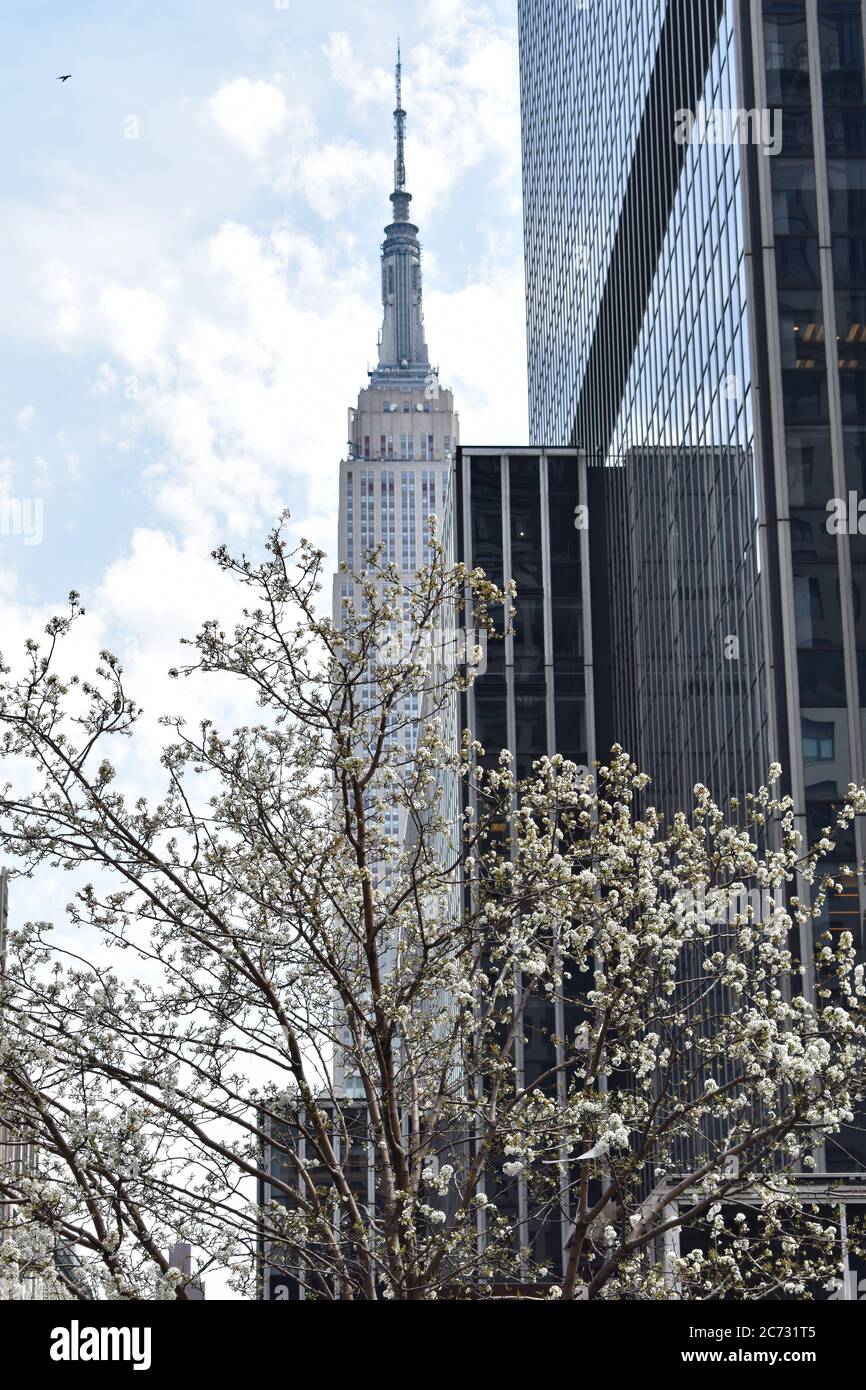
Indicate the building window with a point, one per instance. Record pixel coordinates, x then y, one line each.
368 512
390 448
407 510
819 740
428 505
350 520
366 446
388 517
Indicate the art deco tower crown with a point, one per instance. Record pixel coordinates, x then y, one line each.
402 346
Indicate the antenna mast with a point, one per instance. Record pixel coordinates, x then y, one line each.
400 130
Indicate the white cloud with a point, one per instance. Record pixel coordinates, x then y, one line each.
25 416
461 94
336 175
366 85
243 377
249 112
482 356
60 288
136 321
331 175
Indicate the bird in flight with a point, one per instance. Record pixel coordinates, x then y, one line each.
65 77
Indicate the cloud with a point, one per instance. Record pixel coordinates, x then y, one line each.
249 112
365 84
240 376
135 321
331 175
25 416
473 329
60 288
335 176
461 95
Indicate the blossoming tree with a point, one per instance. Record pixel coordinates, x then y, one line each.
169 1058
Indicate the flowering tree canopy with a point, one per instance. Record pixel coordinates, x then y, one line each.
344 881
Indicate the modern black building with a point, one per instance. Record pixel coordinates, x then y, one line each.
680 647
283 1276
644 301
520 514
682 314
695 236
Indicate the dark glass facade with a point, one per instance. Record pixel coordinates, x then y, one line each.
696 322
290 1146
685 684
520 515
654 380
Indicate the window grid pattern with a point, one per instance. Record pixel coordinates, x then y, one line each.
350 520
407 506
388 516
368 513
428 506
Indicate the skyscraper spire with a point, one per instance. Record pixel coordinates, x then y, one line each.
400 198
402 347
399 130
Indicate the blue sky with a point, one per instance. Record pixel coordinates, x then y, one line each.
190 279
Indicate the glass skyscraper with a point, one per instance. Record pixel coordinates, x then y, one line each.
638 322
695 234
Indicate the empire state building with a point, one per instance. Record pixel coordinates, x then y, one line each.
402 436
404 430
